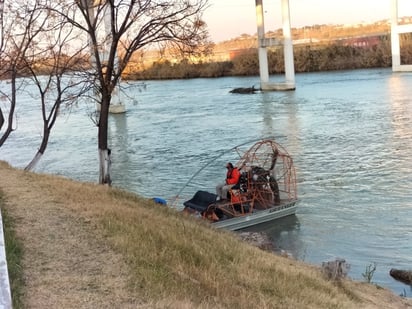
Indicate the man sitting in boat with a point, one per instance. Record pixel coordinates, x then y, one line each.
232 178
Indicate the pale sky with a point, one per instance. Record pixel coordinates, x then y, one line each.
227 19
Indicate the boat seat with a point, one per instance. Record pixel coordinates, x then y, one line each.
239 200
201 200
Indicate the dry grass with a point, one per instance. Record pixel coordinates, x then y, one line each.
89 246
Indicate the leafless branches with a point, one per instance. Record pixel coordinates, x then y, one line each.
80 48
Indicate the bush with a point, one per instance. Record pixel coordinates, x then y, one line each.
308 58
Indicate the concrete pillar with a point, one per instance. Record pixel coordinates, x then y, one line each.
288 45
263 43
263 57
116 106
395 44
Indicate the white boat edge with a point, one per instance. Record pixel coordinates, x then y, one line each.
258 217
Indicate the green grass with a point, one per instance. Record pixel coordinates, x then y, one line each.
14 254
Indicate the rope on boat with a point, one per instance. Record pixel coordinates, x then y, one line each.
217 157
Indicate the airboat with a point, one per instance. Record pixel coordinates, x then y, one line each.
266 190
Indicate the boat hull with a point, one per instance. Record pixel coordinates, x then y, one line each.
257 217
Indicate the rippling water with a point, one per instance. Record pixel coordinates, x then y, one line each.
349 132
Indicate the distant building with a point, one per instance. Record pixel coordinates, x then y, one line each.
233 53
363 41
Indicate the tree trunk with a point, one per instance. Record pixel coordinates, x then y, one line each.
6 134
9 128
105 165
1 119
104 151
42 149
34 161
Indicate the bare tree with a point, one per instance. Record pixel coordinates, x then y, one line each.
14 43
35 48
118 29
36 45
52 70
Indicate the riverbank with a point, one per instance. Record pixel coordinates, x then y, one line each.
90 246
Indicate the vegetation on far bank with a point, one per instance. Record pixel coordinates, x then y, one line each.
307 58
89 246
317 48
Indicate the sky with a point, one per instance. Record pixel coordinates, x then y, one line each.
227 19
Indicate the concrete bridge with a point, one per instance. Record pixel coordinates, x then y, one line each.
289 81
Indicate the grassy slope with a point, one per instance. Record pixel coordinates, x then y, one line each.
109 248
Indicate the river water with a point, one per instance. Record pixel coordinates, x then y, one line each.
349 132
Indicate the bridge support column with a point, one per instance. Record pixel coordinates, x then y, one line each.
288 45
396 30
263 56
116 106
263 43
